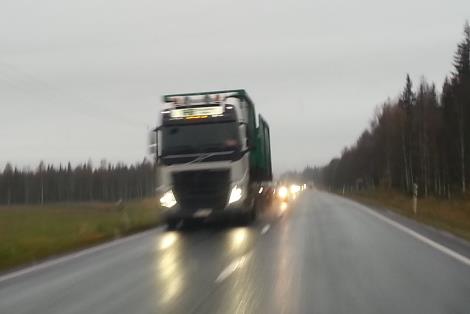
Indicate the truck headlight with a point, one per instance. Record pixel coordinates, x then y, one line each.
283 192
235 195
168 199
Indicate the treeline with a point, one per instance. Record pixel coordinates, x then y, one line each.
307 175
420 138
48 183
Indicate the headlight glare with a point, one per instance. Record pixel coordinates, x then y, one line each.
235 195
294 188
283 192
168 199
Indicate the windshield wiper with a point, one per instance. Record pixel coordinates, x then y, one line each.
200 158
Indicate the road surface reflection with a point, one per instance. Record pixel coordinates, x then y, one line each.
169 271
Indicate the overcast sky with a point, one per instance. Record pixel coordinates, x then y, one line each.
83 79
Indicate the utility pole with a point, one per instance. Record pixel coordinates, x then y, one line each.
415 198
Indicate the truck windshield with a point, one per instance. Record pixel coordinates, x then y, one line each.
200 138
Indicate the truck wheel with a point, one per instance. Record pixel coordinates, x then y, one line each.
248 218
171 224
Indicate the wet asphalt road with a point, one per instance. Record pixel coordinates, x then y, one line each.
322 254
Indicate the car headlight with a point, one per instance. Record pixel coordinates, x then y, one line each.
235 194
283 192
294 188
168 199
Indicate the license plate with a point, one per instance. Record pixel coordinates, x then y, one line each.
200 213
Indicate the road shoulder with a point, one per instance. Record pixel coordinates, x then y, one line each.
442 237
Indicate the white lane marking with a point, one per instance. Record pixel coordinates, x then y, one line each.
418 236
230 269
66 258
265 229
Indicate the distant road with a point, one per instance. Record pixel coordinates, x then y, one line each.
325 254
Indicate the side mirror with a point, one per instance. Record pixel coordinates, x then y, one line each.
248 142
153 142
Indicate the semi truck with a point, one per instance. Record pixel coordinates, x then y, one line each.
213 156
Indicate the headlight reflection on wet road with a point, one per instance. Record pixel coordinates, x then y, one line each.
238 238
283 207
169 271
168 240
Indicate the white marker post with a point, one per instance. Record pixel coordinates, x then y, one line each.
415 198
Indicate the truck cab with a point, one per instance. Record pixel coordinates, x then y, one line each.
211 156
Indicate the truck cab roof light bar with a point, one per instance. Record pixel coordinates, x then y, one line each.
169 98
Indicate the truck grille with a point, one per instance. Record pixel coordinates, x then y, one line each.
202 188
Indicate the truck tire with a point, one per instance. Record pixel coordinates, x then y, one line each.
249 217
171 224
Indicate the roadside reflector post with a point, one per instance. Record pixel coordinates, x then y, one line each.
415 198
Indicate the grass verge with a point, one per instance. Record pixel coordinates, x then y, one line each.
31 233
450 215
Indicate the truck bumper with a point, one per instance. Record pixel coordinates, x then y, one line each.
203 214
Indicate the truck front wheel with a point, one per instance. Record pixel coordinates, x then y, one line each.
249 217
171 224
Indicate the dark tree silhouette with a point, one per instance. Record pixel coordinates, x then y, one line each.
421 138
49 183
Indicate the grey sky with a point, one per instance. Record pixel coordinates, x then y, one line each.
83 79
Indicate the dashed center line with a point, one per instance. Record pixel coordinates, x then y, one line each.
238 263
230 269
265 229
